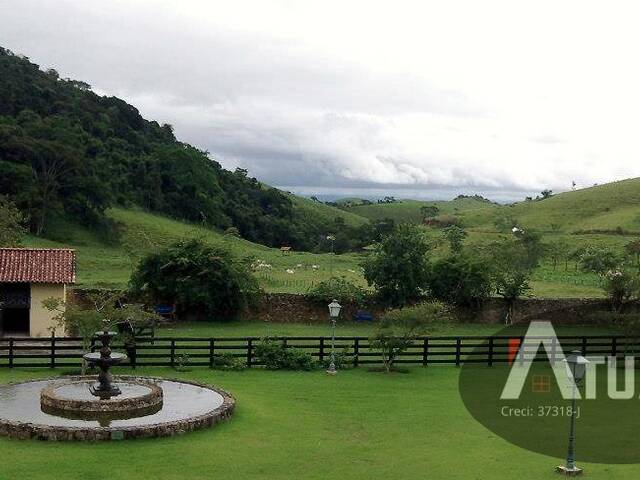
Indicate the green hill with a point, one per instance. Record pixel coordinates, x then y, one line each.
409 210
603 208
108 263
326 213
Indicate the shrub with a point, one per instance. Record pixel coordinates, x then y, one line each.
227 361
199 278
338 288
397 329
277 356
599 260
460 280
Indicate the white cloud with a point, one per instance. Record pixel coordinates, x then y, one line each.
499 97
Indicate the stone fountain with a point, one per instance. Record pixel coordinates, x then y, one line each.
107 407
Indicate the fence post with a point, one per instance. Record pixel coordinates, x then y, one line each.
211 352
356 351
173 353
458 342
553 351
584 346
425 351
11 353
249 352
321 350
614 347
490 359
53 351
522 351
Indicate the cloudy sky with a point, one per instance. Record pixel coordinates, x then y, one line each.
421 99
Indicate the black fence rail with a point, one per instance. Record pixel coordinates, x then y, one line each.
57 352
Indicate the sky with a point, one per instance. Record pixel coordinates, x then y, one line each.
419 99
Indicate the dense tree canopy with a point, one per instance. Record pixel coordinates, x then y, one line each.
399 267
205 281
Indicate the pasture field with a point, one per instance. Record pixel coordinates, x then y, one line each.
105 263
108 264
292 425
606 215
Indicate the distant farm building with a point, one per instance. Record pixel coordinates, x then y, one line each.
285 250
27 277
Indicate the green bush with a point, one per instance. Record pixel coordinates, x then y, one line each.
423 314
201 279
227 361
338 288
276 356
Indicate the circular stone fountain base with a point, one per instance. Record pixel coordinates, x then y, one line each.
183 406
76 397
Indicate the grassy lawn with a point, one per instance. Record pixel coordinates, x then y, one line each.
356 425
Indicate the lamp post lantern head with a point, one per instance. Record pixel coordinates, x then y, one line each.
576 366
334 309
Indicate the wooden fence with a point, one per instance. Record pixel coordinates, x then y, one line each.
56 352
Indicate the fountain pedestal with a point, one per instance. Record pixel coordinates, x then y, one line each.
105 359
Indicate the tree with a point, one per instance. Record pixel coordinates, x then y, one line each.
455 236
527 248
429 211
460 280
11 223
202 280
511 285
397 329
621 286
546 193
513 261
558 251
398 268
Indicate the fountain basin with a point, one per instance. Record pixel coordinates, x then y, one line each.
75 396
186 406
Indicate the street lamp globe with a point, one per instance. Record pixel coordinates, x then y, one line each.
334 309
576 366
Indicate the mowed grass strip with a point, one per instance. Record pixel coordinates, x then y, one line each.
290 425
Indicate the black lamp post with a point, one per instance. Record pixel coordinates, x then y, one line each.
334 313
576 367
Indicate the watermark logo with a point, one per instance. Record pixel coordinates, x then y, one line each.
526 395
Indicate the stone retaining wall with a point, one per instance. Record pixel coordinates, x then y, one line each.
295 308
283 307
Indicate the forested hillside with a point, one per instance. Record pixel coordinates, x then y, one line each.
65 150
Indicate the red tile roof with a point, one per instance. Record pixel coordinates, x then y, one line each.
37 265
